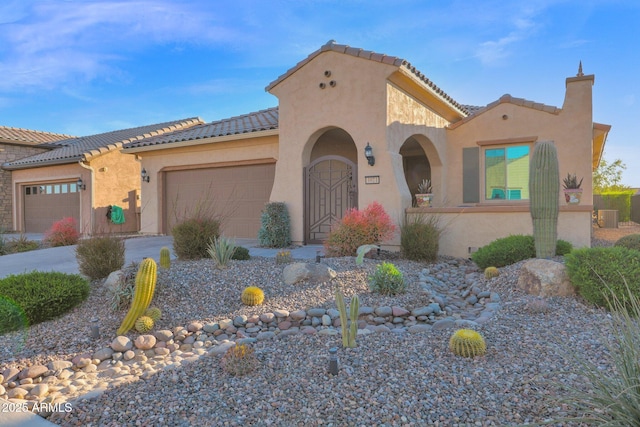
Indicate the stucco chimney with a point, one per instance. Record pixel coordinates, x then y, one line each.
578 95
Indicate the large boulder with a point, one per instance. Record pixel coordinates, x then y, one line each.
545 278
313 272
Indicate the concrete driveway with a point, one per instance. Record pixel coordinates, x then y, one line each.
63 258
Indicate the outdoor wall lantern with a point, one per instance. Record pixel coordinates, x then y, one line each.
80 184
368 153
145 175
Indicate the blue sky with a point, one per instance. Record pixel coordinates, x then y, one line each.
85 67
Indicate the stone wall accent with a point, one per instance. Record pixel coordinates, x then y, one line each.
9 153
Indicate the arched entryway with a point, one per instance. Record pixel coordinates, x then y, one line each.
416 165
330 186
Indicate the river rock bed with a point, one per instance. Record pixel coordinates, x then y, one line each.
401 373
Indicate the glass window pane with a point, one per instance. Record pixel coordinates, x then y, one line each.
518 172
27 190
56 189
64 188
34 190
495 173
43 189
73 187
49 189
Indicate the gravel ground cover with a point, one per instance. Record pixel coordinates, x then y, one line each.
390 379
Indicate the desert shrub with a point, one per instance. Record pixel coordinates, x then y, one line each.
599 272
632 241
370 226
3 245
41 296
99 256
191 237
275 229
62 233
239 360
511 249
121 293
611 397
221 250
419 238
21 244
387 280
241 254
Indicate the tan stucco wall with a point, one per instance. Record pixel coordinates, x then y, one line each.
477 227
116 184
205 154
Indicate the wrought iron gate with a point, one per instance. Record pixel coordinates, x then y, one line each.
330 190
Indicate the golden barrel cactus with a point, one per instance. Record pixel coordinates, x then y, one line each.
154 313
252 296
144 324
491 272
467 343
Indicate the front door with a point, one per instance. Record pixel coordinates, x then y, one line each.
330 190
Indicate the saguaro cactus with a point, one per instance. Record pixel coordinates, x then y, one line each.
349 332
143 293
544 191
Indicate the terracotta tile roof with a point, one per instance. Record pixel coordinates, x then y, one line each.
475 111
246 123
83 148
331 45
30 137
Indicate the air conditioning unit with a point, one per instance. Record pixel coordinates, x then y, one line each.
608 218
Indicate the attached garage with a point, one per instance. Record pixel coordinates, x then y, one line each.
235 193
47 203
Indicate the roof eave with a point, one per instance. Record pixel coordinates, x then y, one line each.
56 162
600 133
201 141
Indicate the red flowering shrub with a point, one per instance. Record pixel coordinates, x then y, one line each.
367 227
62 233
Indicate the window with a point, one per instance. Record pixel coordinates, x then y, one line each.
506 173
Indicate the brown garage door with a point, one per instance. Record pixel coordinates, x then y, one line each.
237 193
45 204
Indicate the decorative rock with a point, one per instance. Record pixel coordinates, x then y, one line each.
58 365
444 324
383 311
265 335
210 327
82 362
225 323
194 326
281 314
222 348
113 280
326 320
422 311
284 325
317 312
399 311
163 335
365 310
121 344
239 321
298 315
2 390
465 323
33 371
40 390
267 317
435 307
312 272
145 342
103 354
545 278
333 313
17 393
328 332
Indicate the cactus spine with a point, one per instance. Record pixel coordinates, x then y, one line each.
143 293
467 343
544 190
165 257
349 332
144 324
154 313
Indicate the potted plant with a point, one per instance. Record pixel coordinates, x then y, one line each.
572 190
424 194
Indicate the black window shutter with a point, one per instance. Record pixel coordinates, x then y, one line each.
471 175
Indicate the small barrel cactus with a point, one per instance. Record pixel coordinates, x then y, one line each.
165 257
252 296
144 324
491 272
283 257
154 313
239 360
467 343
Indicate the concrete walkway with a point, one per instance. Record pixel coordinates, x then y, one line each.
63 259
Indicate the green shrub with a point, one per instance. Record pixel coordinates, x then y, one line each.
221 250
370 226
241 254
387 280
632 241
419 239
511 249
191 237
41 296
275 229
121 294
62 233
589 269
99 256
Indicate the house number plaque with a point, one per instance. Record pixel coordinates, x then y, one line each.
373 179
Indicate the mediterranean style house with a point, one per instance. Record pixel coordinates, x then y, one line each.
78 177
353 127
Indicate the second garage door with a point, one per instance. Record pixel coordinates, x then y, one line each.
45 204
237 193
